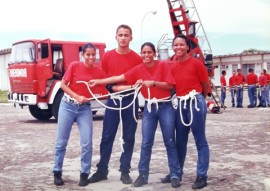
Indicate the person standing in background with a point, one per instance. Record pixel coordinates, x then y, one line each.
262 89
116 62
239 83
267 87
252 80
223 85
232 88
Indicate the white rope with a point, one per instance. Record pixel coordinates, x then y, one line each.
115 95
154 100
191 96
260 90
118 96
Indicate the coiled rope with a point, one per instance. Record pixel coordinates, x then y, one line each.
192 96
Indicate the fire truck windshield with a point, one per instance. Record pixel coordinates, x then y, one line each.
22 52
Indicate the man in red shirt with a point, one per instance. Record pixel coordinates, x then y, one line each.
252 80
239 82
232 88
116 62
223 85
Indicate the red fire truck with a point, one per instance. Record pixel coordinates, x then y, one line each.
35 71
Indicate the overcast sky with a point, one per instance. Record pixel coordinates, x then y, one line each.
230 25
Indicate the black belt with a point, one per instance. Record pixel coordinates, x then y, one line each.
161 102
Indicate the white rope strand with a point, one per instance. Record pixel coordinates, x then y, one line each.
120 98
115 95
191 96
155 101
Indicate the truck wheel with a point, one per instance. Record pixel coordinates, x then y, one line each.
40 114
56 104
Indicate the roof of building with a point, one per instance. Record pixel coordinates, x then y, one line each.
244 54
5 51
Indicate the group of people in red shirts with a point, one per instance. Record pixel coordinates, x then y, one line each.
257 86
125 69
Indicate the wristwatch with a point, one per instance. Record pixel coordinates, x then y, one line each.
155 83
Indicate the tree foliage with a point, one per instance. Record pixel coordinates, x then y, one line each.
251 51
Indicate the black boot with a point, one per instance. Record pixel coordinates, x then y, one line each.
125 178
58 181
200 182
83 179
97 176
140 181
166 179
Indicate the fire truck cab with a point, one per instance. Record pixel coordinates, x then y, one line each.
36 68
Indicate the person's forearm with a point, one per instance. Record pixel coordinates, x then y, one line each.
111 80
118 88
163 85
205 89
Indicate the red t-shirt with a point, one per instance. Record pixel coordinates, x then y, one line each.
115 64
77 71
159 72
251 79
223 81
239 79
262 80
189 75
268 77
232 81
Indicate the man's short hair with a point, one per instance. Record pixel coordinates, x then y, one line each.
223 72
124 27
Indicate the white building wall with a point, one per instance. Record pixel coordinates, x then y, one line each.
4 80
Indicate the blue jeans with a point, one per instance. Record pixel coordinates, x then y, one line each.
68 113
252 95
223 95
239 96
262 96
267 95
233 93
197 128
165 115
110 126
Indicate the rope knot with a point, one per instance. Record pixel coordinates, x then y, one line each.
150 102
192 96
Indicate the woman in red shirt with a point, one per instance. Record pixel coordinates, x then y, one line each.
191 80
75 106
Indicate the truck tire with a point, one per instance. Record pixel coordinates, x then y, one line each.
40 114
56 104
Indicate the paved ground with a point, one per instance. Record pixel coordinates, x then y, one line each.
239 140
